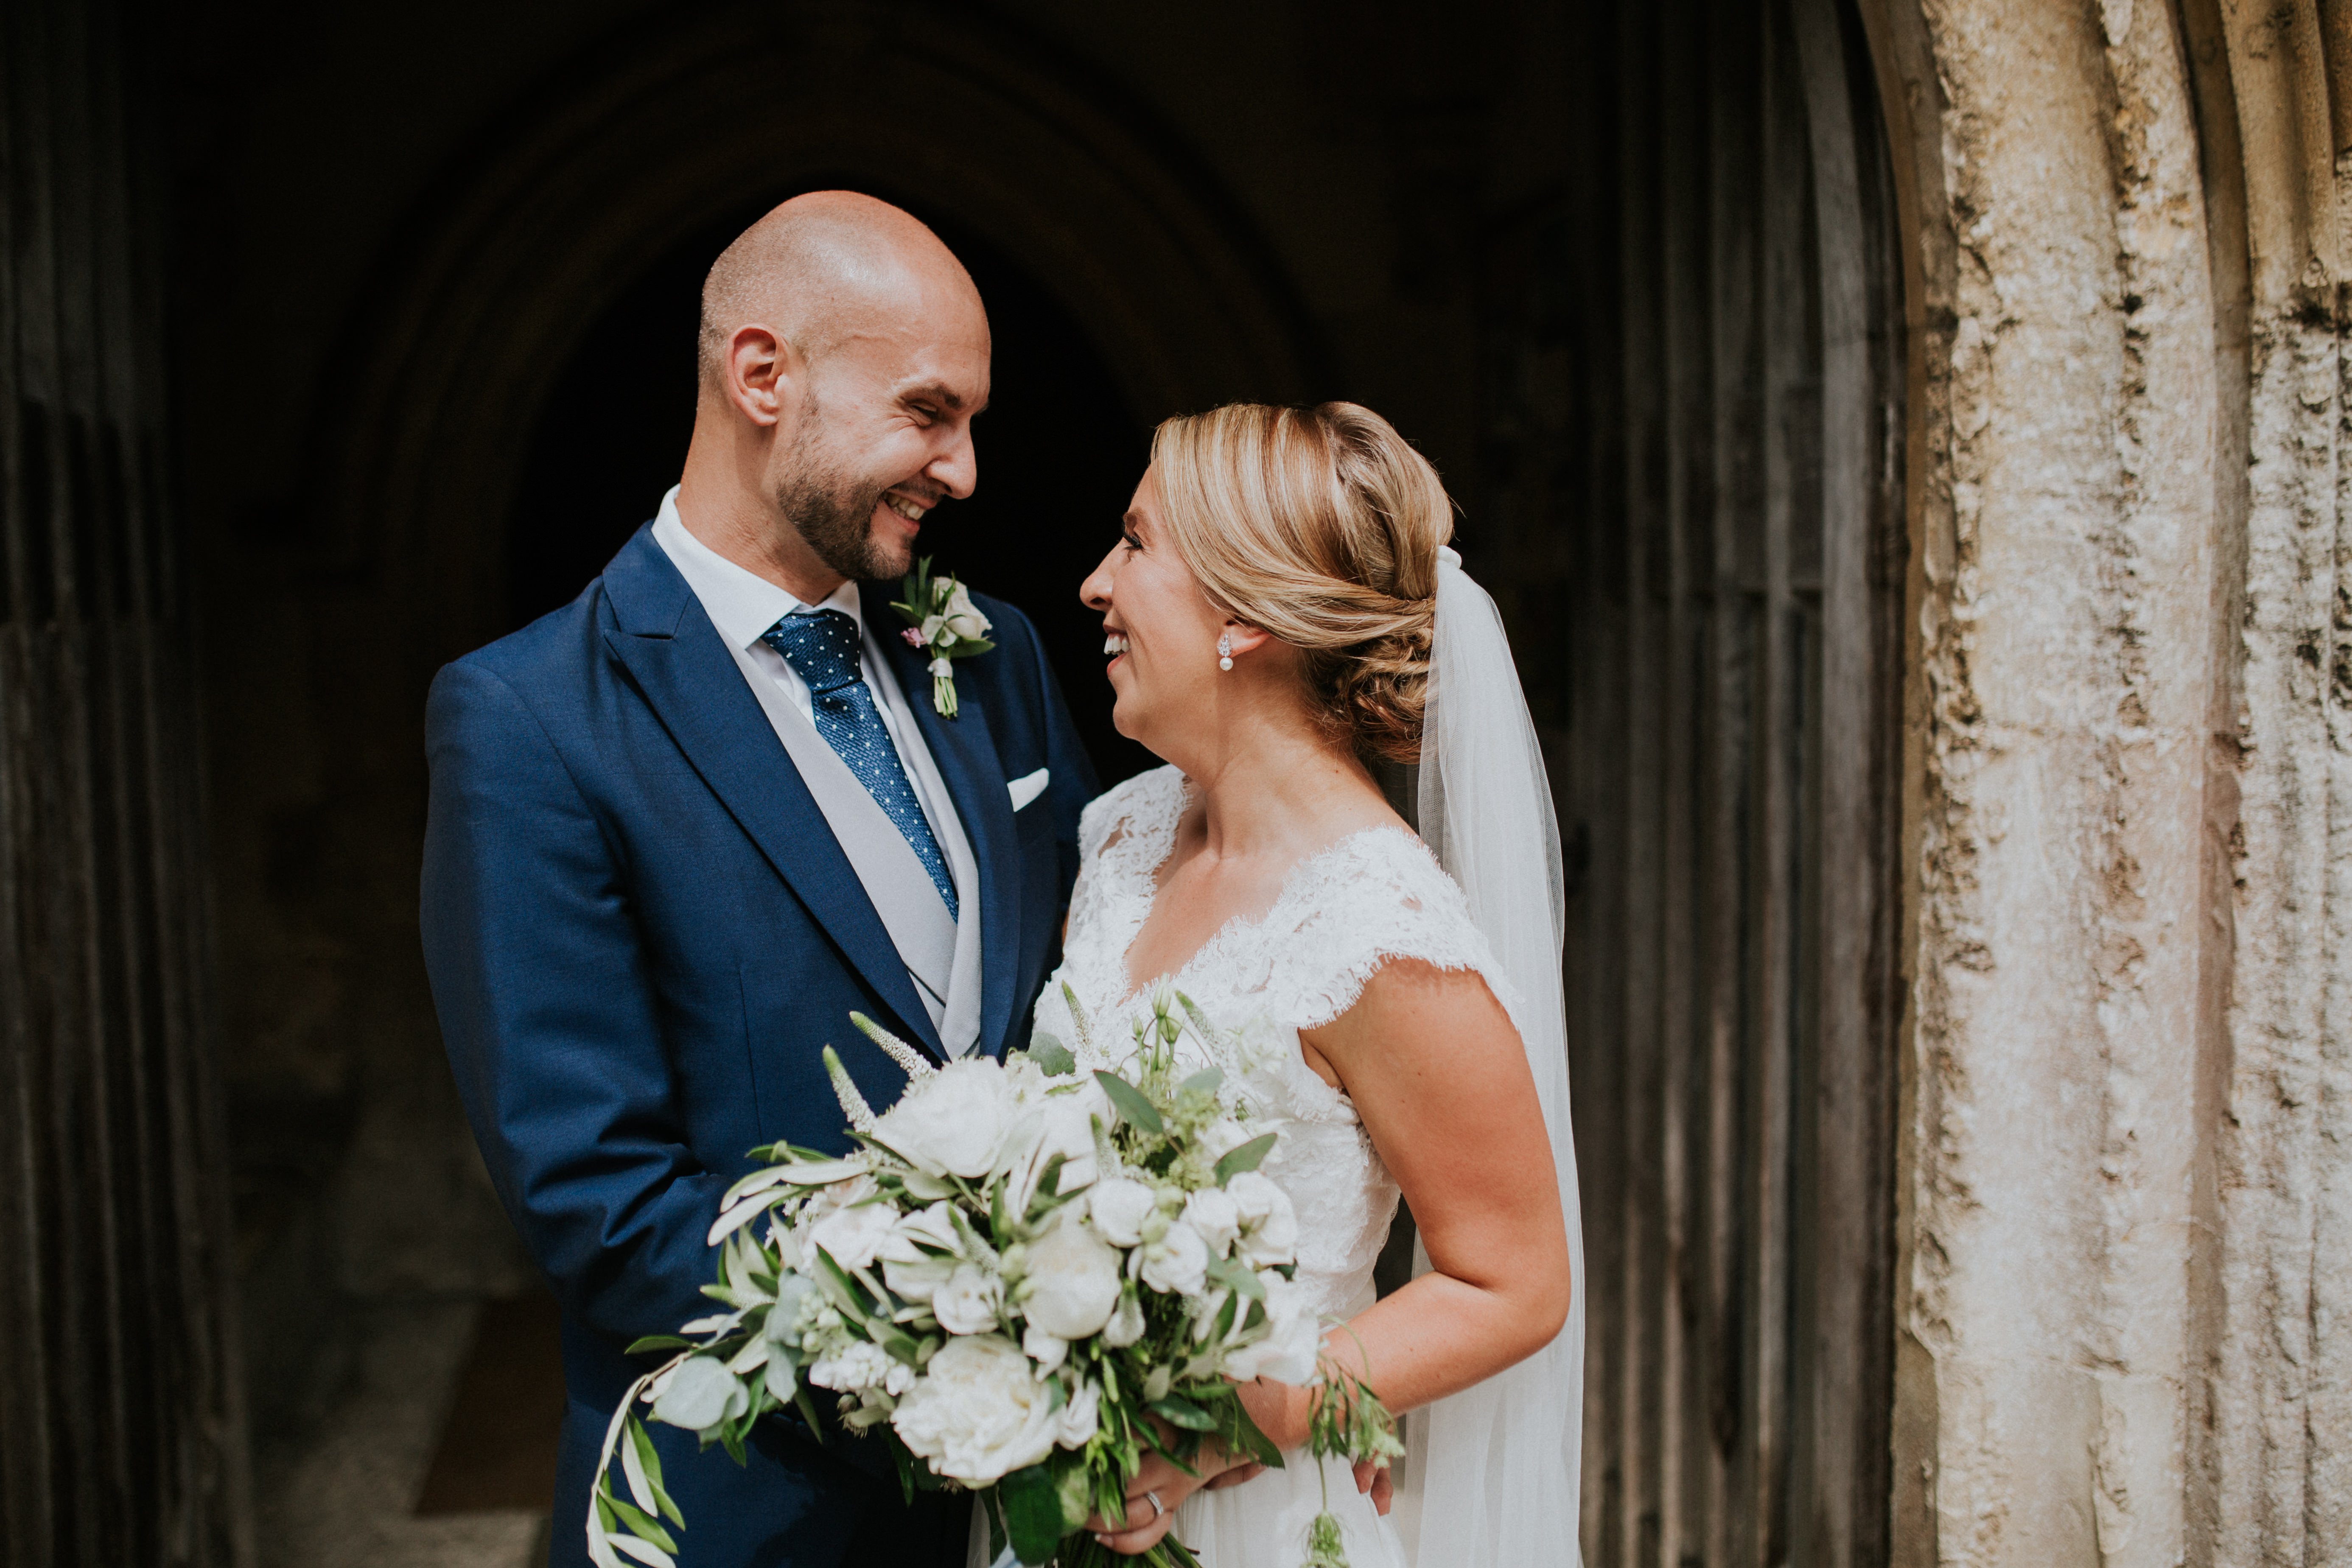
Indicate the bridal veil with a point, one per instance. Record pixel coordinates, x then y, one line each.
1491 1474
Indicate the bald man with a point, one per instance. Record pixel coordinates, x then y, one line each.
681 829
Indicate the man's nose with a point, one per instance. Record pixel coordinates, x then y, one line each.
957 469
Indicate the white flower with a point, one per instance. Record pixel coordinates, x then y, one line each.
1119 1207
1065 1129
852 1236
978 1412
963 618
1079 1417
839 1196
1178 1263
852 1365
700 1392
1126 1325
956 1121
1214 1214
1043 1348
1220 1138
969 1301
796 1304
1073 1279
1270 1224
910 1270
1293 1337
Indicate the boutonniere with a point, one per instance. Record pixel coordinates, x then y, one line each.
942 617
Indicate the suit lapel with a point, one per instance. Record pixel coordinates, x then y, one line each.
660 635
968 763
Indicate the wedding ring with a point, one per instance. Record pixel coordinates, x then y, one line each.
1153 1499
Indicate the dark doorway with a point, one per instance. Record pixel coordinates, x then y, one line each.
1059 454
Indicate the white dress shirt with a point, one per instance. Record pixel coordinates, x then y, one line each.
742 606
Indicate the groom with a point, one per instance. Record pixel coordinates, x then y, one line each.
682 828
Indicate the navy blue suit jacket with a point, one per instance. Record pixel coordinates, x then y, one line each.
640 931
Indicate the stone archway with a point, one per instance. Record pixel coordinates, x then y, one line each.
408 498
656 141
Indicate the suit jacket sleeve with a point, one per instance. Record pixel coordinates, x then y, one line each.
549 1013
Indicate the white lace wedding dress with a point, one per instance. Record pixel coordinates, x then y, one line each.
1342 913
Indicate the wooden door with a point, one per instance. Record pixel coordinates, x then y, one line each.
1695 429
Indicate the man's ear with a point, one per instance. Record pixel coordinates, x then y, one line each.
762 374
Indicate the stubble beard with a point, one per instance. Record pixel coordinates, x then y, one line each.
834 512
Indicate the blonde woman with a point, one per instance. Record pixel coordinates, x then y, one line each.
1279 611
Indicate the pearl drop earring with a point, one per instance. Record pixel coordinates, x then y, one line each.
1225 650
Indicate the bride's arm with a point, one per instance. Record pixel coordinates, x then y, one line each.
1438 1074
1439 1078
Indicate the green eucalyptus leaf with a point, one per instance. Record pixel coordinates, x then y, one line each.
1052 1056
1205 1082
1033 1513
1245 1158
1133 1108
1177 1411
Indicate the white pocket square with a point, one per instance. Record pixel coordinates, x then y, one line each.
1024 790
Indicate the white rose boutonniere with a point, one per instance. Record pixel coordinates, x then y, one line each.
942 619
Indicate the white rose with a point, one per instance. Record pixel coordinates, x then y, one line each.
1293 1337
1065 1129
699 1393
1079 1417
969 1301
963 618
1178 1263
1073 1281
1119 1207
1043 1348
1126 1325
957 1120
852 1236
978 1412
1215 1216
1270 1224
910 1270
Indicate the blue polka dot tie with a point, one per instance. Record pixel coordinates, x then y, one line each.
822 646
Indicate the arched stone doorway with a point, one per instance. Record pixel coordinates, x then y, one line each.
1686 476
576 227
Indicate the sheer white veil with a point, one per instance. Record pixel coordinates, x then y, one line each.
1491 1474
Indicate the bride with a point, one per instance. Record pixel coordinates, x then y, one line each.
1280 607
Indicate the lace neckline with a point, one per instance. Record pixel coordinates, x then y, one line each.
1146 893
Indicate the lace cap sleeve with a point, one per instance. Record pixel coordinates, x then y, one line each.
1378 897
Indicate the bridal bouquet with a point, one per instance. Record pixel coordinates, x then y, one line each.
1023 1280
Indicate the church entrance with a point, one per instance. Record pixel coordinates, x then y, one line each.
1629 272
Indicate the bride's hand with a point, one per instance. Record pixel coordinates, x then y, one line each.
1152 1500
1373 1480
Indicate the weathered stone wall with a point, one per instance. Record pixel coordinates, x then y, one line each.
2124 1211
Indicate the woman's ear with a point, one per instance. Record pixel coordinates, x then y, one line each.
1245 636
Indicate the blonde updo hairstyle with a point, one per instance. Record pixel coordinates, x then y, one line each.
1320 525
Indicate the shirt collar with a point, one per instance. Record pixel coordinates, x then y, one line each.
741 603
